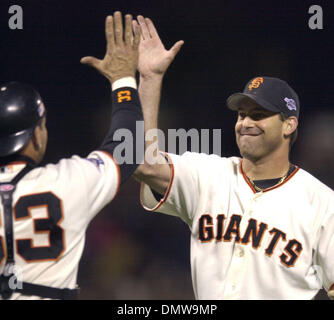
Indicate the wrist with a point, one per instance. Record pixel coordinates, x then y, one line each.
119 76
152 77
124 82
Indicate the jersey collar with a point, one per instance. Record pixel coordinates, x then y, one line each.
270 188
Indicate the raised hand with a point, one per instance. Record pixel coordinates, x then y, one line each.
121 58
154 59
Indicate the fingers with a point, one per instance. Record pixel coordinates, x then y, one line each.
110 37
151 28
91 61
137 33
176 47
114 31
118 25
135 26
144 29
128 36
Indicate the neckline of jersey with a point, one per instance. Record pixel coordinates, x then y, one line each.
17 161
270 188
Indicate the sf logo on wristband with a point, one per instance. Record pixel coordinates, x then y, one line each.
124 95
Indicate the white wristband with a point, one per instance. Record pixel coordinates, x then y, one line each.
124 82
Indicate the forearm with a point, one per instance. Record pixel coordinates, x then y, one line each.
149 93
155 170
154 61
119 66
126 111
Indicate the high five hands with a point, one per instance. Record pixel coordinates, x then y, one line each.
121 58
137 46
154 59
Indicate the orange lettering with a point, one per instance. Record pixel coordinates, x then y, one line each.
123 95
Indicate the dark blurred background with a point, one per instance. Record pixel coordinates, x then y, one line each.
132 254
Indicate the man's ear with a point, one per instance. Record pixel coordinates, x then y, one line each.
37 139
290 125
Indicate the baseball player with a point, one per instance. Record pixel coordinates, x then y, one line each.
45 210
261 227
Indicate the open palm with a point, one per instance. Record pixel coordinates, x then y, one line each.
154 59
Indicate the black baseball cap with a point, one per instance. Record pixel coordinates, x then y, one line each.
272 94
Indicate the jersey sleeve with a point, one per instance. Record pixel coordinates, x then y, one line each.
103 179
183 193
325 252
87 183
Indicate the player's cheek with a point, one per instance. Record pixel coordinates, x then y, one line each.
46 138
237 136
237 127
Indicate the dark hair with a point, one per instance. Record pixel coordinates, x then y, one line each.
293 135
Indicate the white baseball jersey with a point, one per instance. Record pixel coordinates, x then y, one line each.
53 206
275 244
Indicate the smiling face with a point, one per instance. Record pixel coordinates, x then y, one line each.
259 132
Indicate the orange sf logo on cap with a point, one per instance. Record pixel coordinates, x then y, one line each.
256 82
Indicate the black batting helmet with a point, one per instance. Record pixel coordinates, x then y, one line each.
21 108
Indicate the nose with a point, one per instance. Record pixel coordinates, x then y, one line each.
247 122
